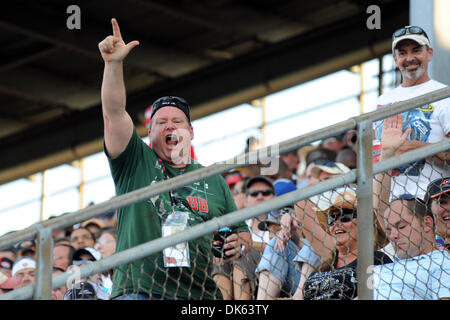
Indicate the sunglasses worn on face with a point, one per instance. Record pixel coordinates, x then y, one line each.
409 30
346 215
254 193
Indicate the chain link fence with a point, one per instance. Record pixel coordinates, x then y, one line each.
305 243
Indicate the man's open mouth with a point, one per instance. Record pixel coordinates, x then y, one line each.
172 139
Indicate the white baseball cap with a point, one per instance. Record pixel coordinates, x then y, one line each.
24 263
414 33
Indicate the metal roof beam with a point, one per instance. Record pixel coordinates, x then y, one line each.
229 83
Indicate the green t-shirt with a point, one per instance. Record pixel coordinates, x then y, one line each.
137 167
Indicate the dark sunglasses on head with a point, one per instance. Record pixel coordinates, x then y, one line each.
345 215
254 193
408 30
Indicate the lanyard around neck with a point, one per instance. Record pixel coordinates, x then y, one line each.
166 177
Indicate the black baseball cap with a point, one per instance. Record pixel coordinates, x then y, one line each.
436 188
260 179
172 101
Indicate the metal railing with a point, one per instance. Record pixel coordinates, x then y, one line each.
363 174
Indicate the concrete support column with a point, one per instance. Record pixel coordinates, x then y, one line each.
432 16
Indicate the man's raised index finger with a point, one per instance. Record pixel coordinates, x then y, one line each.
116 29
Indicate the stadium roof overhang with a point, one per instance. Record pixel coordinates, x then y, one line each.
216 54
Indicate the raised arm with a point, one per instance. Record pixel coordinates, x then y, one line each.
118 125
322 242
391 140
290 230
306 271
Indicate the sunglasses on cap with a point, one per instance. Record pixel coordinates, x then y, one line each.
408 30
254 193
344 215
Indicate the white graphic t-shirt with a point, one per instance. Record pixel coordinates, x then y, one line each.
429 123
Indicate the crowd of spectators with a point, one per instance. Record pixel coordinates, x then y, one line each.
306 251
312 249
73 247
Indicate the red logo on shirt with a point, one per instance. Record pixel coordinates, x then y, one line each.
198 204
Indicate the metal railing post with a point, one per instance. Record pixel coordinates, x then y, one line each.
364 174
44 257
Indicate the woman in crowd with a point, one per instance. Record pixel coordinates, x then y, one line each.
336 245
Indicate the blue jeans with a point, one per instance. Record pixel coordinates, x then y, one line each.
281 265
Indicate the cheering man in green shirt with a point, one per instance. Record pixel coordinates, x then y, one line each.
182 271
